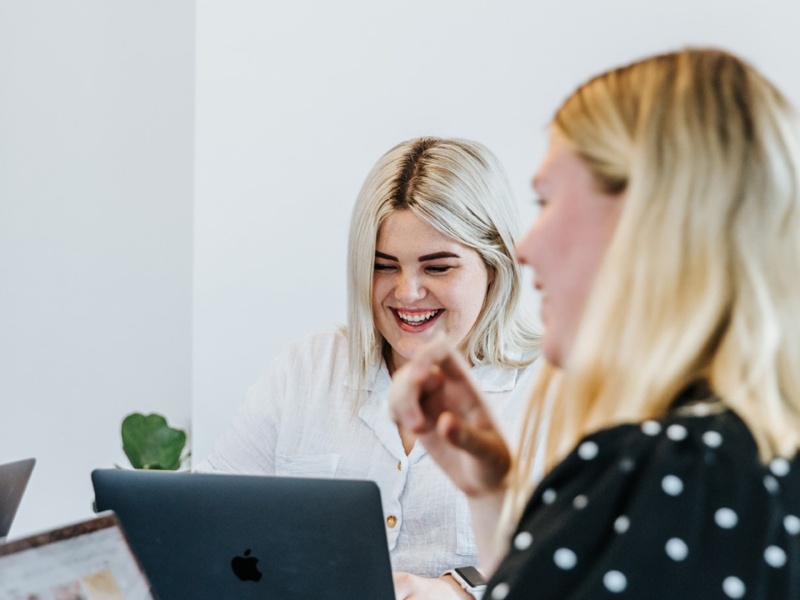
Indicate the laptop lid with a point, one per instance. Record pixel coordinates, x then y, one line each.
14 478
240 537
88 560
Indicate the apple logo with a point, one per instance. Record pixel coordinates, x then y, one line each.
246 567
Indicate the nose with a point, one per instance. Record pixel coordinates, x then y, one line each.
409 288
526 247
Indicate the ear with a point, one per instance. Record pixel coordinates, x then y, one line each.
489 275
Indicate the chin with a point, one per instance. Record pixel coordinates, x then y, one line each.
551 353
407 351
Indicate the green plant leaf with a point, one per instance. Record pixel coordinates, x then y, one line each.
150 443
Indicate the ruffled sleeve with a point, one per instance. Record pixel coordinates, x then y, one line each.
679 508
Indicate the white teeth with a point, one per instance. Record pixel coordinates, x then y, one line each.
417 318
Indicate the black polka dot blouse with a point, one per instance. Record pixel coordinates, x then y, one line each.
678 508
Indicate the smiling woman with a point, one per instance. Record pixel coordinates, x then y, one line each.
430 256
425 285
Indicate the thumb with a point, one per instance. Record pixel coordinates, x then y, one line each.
485 445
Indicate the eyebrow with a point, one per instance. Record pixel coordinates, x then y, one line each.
426 257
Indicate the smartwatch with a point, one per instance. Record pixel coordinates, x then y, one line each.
470 579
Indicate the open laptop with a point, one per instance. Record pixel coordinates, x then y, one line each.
88 560
240 537
14 478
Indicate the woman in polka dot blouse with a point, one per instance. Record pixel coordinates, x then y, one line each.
667 253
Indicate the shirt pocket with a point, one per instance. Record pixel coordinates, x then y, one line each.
306 465
465 537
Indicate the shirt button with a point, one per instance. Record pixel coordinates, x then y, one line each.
399 466
391 521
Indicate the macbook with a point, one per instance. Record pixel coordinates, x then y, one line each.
14 478
88 560
240 537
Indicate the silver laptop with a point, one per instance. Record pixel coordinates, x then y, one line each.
239 537
14 478
88 560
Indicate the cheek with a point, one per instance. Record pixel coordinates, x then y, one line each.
379 291
576 262
469 296
589 247
575 266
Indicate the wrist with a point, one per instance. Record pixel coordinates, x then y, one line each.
458 591
468 580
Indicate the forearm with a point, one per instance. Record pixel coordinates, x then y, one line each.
458 591
485 511
413 587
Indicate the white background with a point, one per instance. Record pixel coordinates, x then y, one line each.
176 180
96 151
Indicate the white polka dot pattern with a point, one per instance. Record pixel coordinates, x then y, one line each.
677 432
615 582
779 467
775 556
726 518
500 591
712 499
701 409
588 450
672 485
627 465
523 540
676 549
712 439
651 428
622 524
549 496
772 485
733 587
565 559
792 524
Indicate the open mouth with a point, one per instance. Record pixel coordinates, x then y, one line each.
417 319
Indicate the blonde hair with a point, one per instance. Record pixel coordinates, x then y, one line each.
459 188
707 252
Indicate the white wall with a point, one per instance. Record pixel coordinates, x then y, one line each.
96 134
296 100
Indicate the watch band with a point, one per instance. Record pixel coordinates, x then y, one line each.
476 590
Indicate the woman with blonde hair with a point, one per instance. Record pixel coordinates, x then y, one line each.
430 254
667 252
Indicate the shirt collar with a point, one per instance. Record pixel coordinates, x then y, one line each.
490 378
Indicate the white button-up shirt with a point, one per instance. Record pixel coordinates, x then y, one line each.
299 420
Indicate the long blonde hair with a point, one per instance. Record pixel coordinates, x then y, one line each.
702 277
459 188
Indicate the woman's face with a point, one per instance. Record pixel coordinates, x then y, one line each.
425 285
566 244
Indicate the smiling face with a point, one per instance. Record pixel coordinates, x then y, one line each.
425 285
567 242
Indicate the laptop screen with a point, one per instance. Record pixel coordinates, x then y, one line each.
89 560
13 481
247 537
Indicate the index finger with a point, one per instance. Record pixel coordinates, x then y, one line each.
408 386
463 397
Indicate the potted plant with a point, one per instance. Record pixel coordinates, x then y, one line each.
150 443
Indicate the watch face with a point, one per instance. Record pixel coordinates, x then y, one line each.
471 575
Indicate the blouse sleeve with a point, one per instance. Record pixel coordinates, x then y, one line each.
678 508
248 445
